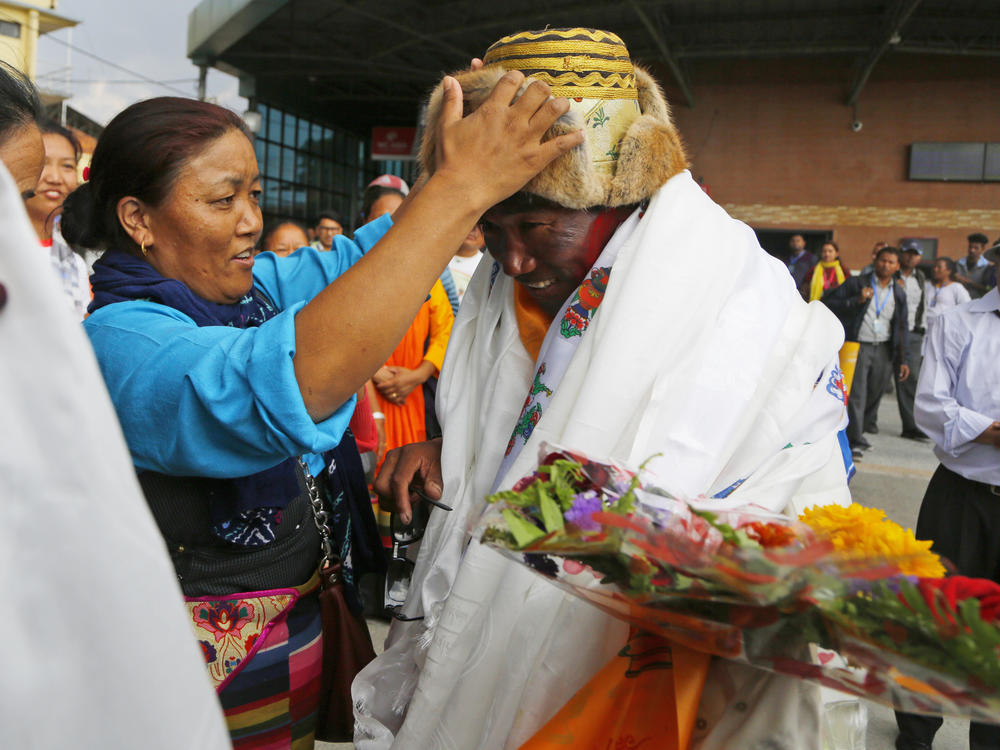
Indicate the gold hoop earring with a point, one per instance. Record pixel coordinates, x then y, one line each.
142 247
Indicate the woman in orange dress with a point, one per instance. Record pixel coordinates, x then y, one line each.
417 358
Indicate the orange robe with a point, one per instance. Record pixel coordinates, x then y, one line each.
431 328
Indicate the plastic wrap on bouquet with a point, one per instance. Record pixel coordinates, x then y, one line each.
756 587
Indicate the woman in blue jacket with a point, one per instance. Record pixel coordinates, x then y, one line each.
233 373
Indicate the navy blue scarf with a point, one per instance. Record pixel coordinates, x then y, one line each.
246 515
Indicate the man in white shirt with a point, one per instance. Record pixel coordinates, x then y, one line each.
873 311
958 406
466 260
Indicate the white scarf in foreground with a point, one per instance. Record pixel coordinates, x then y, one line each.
702 351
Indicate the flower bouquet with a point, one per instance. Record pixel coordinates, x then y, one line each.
757 587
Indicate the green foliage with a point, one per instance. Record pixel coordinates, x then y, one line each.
729 534
953 642
524 531
552 516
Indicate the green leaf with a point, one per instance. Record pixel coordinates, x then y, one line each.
500 537
915 600
565 494
624 504
523 530
552 516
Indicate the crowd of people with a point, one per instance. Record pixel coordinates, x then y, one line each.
897 327
252 389
886 310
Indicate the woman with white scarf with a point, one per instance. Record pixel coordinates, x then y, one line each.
598 310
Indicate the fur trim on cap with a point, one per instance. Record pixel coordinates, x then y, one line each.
650 153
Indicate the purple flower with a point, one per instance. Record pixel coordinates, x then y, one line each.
581 513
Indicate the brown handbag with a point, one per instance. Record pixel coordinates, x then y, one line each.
347 644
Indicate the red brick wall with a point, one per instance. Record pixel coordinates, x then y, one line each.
772 140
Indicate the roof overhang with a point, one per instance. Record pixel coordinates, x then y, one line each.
355 64
214 26
48 21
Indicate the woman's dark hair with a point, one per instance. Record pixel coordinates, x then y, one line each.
373 193
331 215
951 265
274 226
140 153
19 103
51 126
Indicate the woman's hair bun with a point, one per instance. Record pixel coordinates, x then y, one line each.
78 217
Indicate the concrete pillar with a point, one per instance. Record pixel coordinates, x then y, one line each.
202 81
31 45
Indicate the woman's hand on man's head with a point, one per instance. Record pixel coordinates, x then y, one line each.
496 150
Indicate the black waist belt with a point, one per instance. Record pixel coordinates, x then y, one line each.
209 566
991 488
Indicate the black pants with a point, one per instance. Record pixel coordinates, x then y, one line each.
962 518
907 390
874 367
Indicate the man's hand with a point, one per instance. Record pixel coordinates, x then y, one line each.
904 372
417 465
990 436
866 294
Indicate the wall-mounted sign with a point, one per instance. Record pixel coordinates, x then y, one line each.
394 143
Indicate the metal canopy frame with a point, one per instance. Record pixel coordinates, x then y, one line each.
355 64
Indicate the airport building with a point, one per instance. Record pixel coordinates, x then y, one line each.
856 120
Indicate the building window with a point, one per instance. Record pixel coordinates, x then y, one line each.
958 162
11 29
306 167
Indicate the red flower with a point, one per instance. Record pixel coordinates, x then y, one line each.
955 589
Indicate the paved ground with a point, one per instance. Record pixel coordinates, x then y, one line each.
893 476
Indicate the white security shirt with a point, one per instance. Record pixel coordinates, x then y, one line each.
958 394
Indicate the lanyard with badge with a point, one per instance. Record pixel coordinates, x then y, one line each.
881 324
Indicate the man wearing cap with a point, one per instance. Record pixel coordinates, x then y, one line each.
579 332
914 283
974 269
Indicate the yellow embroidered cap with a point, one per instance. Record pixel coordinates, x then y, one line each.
631 147
576 63
589 67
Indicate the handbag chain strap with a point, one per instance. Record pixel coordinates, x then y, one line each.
321 518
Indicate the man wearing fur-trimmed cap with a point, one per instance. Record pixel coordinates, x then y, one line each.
595 328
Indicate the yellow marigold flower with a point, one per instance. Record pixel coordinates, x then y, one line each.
862 533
